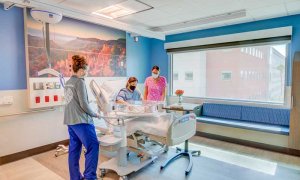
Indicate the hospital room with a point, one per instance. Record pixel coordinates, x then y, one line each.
150 89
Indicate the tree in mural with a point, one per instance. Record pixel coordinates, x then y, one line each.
117 59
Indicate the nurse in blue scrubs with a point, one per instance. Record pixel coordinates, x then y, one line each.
79 118
130 93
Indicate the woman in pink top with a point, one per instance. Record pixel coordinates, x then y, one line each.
155 86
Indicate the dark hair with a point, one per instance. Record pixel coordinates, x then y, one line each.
79 62
130 80
155 67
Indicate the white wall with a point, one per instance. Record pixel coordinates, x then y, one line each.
28 130
22 128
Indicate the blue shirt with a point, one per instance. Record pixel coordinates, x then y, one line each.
126 95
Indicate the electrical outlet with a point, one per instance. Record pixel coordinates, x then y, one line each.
7 100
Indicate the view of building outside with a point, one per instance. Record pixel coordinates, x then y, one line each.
249 73
189 73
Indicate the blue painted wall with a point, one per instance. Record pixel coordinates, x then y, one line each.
159 57
251 26
138 57
12 49
143 55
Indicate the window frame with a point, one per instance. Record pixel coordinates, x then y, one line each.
177 76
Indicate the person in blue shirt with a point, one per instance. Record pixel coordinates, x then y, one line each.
130 93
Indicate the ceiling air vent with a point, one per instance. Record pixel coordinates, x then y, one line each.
201 21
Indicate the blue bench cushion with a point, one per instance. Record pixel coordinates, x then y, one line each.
266 115
281 117
222 111
247 113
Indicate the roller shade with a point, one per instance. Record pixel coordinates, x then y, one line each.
261 37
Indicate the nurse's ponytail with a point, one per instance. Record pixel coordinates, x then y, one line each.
79 62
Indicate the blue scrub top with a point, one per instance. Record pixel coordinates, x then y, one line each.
126 95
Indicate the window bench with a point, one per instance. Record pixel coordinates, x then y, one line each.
263 119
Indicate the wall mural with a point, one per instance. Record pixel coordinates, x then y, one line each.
103 47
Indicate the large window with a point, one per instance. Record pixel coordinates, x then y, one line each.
253 73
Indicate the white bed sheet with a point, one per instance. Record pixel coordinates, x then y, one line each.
151 123
139 119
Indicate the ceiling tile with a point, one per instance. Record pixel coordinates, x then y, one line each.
268 12
168 12
254 4
158 3
136 23
205 11
293 7
290 0
164 21
149 15
51 1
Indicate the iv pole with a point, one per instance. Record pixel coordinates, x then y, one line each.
49 70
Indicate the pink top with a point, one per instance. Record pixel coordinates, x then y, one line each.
155 89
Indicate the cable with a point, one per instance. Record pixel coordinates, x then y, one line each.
118 118
62 80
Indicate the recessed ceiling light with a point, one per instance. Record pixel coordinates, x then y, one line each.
122 9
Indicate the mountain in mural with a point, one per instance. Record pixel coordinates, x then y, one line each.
84 44
36 41
105 58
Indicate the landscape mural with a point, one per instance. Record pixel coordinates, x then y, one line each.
104 47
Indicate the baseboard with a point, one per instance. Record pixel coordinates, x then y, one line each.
30 152
263 146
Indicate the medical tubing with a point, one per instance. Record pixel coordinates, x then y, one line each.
106 117
62 80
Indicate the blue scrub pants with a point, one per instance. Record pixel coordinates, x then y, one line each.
83 134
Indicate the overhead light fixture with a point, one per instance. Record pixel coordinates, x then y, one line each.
201 21
122 9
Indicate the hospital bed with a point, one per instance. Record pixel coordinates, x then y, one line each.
138 128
